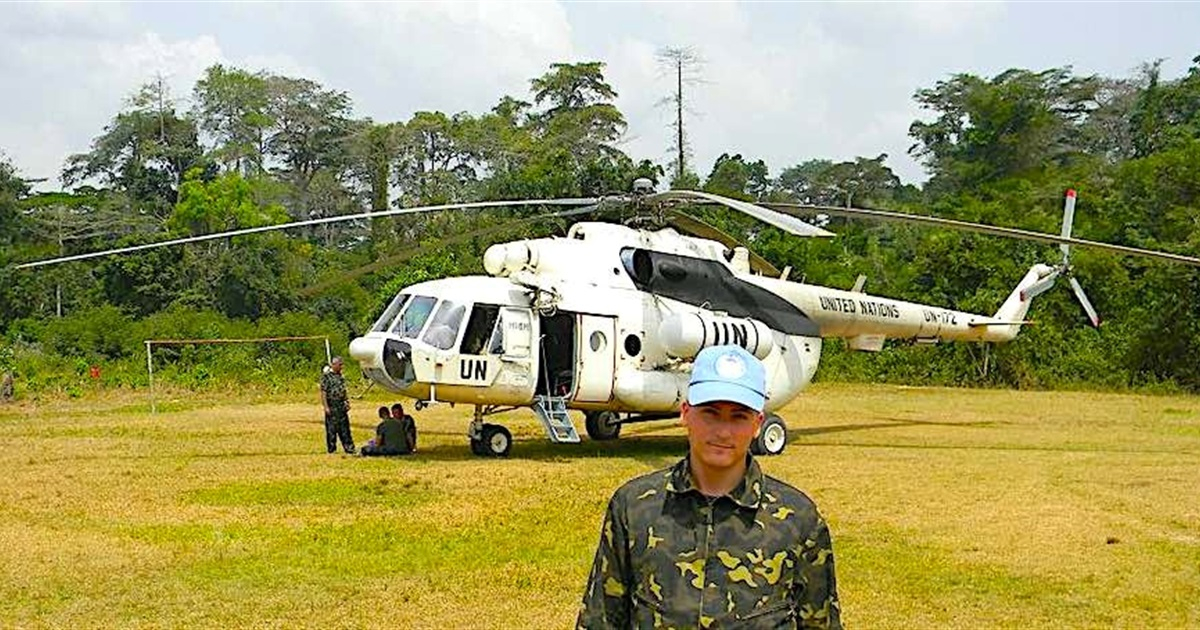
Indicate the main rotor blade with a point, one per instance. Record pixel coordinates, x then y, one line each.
295 224
695 226
884 215
1084 301
409 252
782 221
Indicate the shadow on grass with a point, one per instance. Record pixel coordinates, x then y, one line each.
650 448
887 423
637 442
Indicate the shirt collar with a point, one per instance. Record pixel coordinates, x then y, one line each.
747 494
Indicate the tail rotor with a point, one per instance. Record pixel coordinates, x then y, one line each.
1064 268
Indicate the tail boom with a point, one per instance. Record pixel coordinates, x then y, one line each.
865 320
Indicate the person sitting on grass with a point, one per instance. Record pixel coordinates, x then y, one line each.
410 425
390 438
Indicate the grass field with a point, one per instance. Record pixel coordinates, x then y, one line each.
949 508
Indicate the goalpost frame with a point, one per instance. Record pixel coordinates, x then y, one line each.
150 343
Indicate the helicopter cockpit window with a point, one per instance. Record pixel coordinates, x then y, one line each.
443 330
410 322
483 335
390 313
496 342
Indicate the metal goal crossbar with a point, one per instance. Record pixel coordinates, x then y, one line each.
150 343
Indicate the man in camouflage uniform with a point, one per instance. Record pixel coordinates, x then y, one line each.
337 408
712 542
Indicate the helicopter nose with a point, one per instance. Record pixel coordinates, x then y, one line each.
385 360
397 362
368 351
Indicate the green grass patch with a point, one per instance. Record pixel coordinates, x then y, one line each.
949 508
325 492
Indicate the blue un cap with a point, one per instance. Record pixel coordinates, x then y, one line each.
728 373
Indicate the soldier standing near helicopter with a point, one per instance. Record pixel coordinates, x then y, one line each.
712 541
337 408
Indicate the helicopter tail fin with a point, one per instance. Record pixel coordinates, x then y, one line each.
1011 315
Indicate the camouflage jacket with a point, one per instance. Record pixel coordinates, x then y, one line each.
333 385
668 556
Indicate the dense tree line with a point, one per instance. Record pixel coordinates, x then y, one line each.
255 148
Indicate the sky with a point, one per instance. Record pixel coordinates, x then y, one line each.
783 82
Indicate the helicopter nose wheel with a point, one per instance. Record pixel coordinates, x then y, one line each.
771 438
494 441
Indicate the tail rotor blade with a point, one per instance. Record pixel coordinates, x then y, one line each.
1085 302
1068 219
1041 286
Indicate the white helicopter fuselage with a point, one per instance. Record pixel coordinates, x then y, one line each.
609 318
600 351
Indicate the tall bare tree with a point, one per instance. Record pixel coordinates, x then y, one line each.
685 64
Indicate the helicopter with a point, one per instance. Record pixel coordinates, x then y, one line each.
607 319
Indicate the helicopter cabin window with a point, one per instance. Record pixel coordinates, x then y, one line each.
412 320
483 336
443 330
390 313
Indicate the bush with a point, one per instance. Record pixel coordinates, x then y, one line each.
56 357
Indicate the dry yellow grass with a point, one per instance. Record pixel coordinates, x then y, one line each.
950 508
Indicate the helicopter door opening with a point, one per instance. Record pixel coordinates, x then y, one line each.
557 377
596 359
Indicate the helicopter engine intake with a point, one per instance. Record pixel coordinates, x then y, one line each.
504 259
684 335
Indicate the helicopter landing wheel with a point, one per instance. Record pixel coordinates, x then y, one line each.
602 425
771 438
495 441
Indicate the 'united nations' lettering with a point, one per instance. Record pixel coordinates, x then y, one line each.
866 307
940 317
837 304
879 309
473 369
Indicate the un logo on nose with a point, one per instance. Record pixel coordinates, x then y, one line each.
731 366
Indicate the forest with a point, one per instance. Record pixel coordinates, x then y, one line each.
256 148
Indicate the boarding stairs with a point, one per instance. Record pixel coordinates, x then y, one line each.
552 411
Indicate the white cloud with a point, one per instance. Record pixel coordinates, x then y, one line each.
73 69
451 57
67 21
936 18
787 82
127 65
771 98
